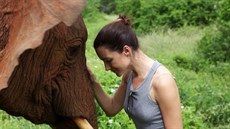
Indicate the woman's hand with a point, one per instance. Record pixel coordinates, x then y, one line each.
91 75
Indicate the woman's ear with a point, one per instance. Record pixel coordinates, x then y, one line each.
127 50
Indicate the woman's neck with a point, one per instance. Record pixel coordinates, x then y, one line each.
141 64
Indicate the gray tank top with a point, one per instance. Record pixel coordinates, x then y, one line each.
138 104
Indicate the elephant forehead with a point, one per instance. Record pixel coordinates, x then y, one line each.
61 52
65 10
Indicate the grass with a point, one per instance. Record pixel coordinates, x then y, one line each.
169 43
12 122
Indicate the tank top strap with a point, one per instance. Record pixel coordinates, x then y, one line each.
147 80
153 70
129 82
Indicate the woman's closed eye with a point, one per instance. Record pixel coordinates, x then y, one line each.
108 60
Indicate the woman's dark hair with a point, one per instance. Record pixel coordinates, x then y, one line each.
117 34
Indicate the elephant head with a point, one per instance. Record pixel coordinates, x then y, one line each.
43 63
27 21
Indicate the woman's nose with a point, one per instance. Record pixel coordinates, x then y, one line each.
107 67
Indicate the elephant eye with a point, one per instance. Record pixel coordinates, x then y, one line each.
73 49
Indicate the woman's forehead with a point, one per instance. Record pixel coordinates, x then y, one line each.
104 52
103 49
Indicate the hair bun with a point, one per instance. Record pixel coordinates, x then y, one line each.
125 19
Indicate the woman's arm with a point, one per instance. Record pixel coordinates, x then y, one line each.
110 104
167 95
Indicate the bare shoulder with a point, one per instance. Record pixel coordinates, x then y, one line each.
167 96
162 76
163 82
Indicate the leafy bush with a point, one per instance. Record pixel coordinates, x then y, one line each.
213 103
215 45
212 53
107 6
191 120
206 95
152 14
201 12
223 11
218 114
189 62
91 10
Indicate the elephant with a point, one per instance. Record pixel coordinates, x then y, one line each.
43 71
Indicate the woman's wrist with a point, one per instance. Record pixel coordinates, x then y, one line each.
95 84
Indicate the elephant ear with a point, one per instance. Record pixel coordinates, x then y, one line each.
66 11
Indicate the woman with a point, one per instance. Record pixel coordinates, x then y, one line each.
148 91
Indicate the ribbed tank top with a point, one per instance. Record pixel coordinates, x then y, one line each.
138 104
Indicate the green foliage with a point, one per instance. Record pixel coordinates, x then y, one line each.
152 14
212 53
12 122
107 6
215 45
214 102
223 11
192 120
207 94
219 69
201 12
91 10
127 6
189 62
120 121
218 114
206 91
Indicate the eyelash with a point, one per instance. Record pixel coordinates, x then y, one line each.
108 61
